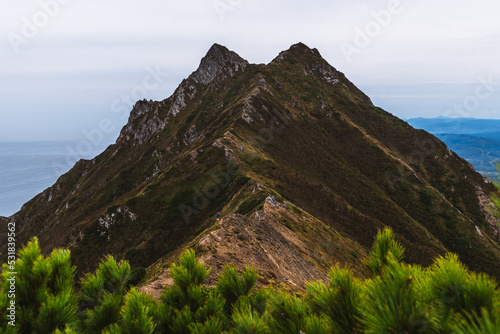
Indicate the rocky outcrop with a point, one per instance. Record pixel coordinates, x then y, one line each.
145 118
144 122
182 95
218 64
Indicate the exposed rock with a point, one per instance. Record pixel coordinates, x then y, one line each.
479 231
247 118
272 200
181 97
227 150
326 71
218 63
143 123
190 136
194 155
145 120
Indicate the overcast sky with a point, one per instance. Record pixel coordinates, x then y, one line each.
68 66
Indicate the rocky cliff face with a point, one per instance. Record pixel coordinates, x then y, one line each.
301 164
217 65
146 118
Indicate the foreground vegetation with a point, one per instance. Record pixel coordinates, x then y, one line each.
396 298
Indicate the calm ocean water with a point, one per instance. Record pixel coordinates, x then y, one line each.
26 169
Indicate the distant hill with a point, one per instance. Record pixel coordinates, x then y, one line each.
475 140
469 126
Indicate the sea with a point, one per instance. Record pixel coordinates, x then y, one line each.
28 168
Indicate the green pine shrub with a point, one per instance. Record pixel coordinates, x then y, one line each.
102 295
192 307
454 291
231 286
290 314
189 272
44 296
136 276
392 301
383 245
249 311
136 315
248 321
340 301
398 298
484 323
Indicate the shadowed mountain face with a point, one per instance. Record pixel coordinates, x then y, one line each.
302 166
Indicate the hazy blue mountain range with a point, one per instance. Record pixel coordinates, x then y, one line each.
447 125
476 140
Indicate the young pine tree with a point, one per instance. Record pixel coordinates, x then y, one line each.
189 306
454 291
44 295
233 286
340 301
289 314
136 315
102 295
383 245
393 302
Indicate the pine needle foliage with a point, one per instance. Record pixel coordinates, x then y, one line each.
456 293
398 298
188 272
340 301
383 245
249 321
136 315
136 276
392 301
232 286
44 295
102 295
290 314
484 323
192 307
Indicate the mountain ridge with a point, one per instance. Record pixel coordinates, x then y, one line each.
292 147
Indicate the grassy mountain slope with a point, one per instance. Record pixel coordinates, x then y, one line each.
302 166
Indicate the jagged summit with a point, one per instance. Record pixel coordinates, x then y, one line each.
218 62
299 49
302 48
146 118
302 166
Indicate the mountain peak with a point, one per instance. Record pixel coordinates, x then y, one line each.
302 48
218 63
217 50
299 50
283 151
